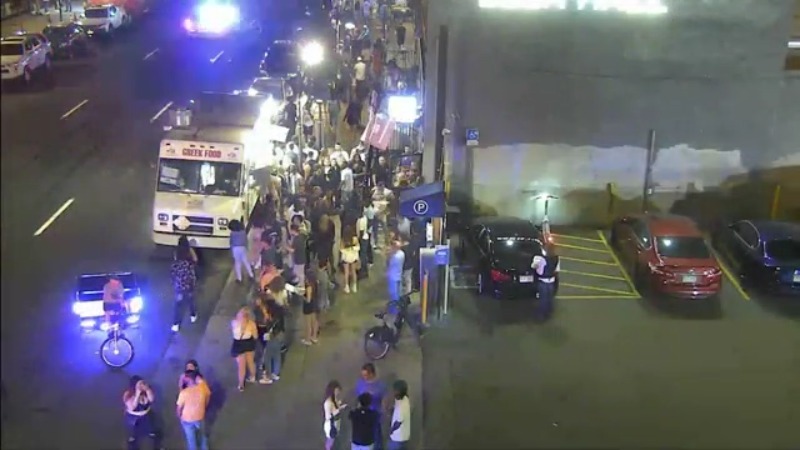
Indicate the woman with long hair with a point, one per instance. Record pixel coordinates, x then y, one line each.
311 304
238 244
254 243
323 239
332 407
243 347
273 342
350 250
138 399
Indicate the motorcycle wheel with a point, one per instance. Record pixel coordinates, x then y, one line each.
375 346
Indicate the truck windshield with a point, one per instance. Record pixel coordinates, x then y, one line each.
97 13
199 177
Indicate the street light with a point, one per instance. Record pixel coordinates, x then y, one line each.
403 108
312 54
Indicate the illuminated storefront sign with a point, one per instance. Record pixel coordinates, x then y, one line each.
640 7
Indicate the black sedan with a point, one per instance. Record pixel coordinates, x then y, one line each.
501 250
765 254
68 40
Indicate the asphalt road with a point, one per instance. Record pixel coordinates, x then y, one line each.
621 372
90 137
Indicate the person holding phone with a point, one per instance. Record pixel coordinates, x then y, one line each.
332 408
138 399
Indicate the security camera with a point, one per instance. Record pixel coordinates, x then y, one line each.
446 131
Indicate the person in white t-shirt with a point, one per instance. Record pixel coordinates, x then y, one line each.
400 432
311 154
338 154
360 70
348 183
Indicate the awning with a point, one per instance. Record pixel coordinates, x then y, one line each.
425 201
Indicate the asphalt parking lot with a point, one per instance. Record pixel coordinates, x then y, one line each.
612 370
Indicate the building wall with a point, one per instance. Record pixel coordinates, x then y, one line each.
564 100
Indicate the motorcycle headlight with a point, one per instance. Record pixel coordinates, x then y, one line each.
136 304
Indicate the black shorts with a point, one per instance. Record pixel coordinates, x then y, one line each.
112 308
310 308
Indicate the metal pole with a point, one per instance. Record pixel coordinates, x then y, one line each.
446 282
441 102
648 170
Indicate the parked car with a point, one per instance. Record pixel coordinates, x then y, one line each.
765 254
68 40
23 55
501 250
667 255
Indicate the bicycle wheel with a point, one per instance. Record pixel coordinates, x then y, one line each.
375 347
116 352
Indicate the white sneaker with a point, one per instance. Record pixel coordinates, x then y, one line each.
193 319
346 289
265 380
355 288
275 377
176 328
305 341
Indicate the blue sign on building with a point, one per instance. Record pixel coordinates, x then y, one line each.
473 136
425 201
442 255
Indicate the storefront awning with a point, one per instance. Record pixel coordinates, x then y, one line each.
425 201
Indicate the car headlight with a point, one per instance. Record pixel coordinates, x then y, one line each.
163 217
136 304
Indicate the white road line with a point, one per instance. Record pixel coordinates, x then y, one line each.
160 112
219 55
53 218
147 56
72 111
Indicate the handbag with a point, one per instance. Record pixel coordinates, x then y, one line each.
334 430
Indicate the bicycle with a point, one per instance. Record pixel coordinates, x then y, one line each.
116 351
379 339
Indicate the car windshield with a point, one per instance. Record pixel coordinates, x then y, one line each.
56 32
269 87
12 49
682 247
526 246
783 250
199 177
98 13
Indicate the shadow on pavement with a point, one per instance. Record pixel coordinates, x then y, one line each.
706 309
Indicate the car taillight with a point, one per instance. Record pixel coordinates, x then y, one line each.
714 272
499 277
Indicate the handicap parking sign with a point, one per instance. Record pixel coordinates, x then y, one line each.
473 136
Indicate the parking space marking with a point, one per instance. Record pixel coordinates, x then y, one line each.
160 112
74 108
217 57
619 264
150 55
729 274
598 289
595 297
593 275
583 249
577 238
588 261
53 218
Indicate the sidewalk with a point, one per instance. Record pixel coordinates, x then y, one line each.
35 23
288 414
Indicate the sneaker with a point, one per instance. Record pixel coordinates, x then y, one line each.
275 377
306 341
315 341
193 319
346 289
251 380
176 328
355 289
241 388
265 380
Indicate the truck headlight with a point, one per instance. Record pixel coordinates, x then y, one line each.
77 308
163 217
223 222
136 304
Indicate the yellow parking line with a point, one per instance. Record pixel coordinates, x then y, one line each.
619 264
593 297
588 261
593 288
585 249
593 275
577 238
730 276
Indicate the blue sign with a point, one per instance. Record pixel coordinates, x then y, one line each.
442 255
426 201
473 136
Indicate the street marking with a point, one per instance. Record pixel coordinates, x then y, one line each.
149 55
596 297
75 108
619 264
593 288
588 261
53 218
160 112
219 55
730 276
579 247
593 275
577 238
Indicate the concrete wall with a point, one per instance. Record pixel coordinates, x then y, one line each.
564 99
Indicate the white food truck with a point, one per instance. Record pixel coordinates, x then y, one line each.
204 168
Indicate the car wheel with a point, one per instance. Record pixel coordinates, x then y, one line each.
640 279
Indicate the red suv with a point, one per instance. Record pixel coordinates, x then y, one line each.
667 255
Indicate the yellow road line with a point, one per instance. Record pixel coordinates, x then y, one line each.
585 249
577 238
593 288
588 261
731 278
619 264
598 297
593 275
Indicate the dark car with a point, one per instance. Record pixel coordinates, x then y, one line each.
765 254
282 60
501 250
68 40
668 255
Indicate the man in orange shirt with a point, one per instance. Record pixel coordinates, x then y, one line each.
192 403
